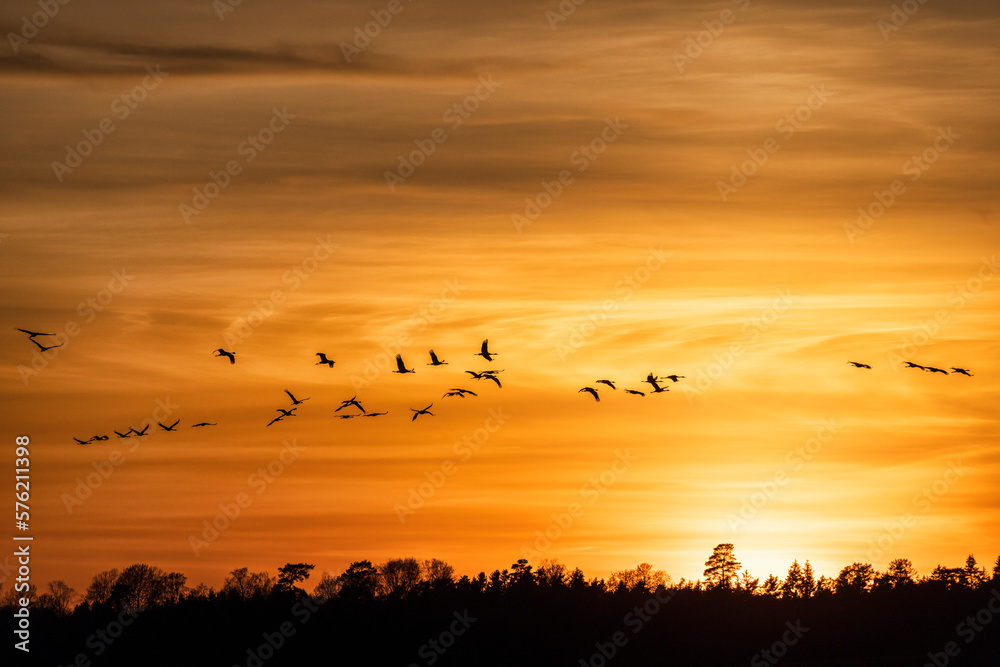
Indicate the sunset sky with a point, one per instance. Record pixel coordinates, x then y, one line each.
747 194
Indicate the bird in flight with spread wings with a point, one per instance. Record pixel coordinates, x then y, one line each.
401 367
353 400
425 411
484 351
32 334
295 401
222 353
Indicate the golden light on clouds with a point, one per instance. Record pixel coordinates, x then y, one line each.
596 210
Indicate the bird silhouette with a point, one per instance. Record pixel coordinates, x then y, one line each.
142 432
484 351
324 360
126 434
634 391
295 401
286 413
222 353
203 424
401 368
348 416
32 334
351 401
656 388
932 369
910 364
459 392
171 427
99 438
859 365
489 375
652 379
276 419
963 371
375 414
592 392
675 378
81 442
44 348
435 361
479 375
608 382
425 411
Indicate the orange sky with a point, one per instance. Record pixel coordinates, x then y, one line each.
602 200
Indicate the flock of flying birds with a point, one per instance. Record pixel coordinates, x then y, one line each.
284 413
34 334
652 379
353 401
910 364
491 375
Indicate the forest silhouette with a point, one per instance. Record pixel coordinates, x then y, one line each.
410 612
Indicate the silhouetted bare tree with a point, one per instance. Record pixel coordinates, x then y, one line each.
245 584
99 591
59 598
138 587
11 597
327 588
436 572
398 576
173 587
200 591
642 578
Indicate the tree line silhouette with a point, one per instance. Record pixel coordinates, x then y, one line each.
410 612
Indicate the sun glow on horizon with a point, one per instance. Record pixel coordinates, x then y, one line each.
636 264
